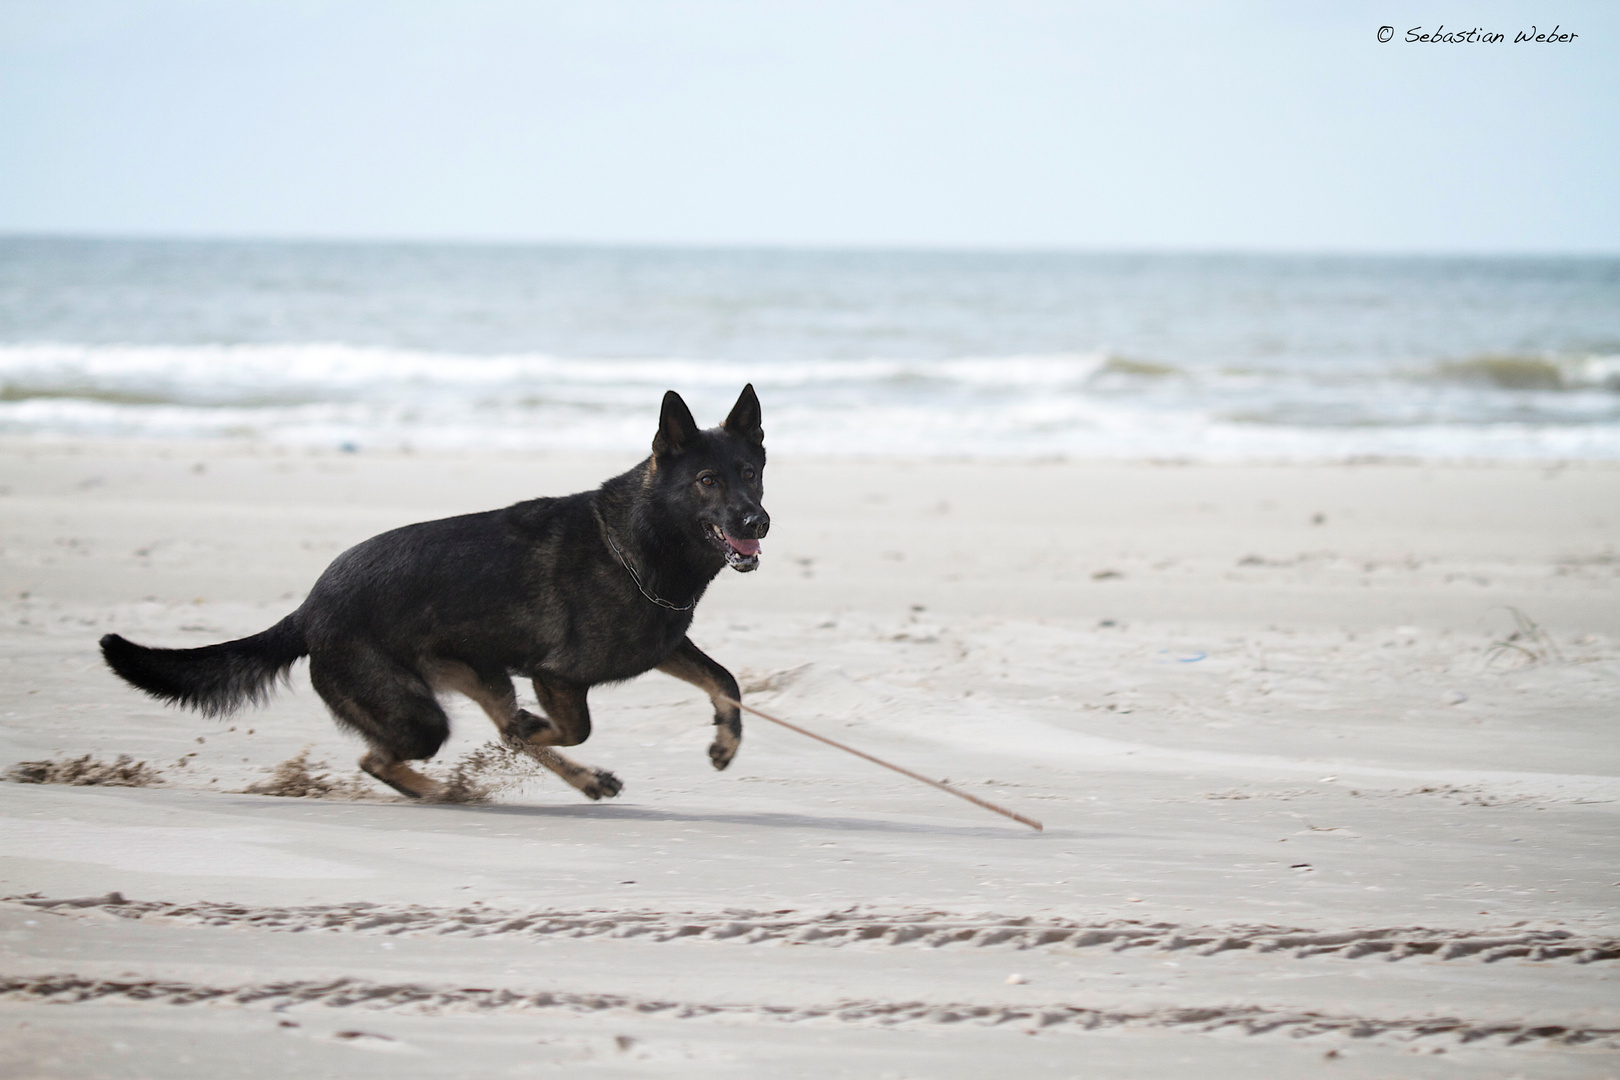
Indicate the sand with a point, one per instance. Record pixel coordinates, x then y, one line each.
1326 757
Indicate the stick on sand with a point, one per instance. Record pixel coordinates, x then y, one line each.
1003 811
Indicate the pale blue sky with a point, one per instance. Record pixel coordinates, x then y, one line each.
874 122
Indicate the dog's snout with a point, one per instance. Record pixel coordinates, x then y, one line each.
757 523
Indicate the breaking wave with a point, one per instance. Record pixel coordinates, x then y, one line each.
1509 372
1083 404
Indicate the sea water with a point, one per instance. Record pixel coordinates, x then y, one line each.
1007 354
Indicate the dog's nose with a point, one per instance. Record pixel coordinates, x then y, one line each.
757 523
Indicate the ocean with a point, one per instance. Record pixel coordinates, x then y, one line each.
855 353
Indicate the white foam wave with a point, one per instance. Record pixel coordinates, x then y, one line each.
1078 405
1597 372
223 370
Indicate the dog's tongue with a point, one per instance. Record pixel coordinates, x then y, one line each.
742 547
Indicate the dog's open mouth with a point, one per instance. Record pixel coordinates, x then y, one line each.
740 554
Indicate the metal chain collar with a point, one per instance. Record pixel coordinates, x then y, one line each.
635 577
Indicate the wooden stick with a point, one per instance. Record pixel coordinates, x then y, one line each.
1031 822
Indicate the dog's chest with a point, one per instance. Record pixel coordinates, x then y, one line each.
610 645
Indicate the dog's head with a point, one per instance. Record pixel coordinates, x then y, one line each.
715 478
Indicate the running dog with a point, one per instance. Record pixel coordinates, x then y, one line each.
567 592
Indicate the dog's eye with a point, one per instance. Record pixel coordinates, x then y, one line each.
706 480
748 472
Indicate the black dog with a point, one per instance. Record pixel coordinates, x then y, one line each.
568 592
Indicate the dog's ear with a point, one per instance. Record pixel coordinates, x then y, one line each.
744 418
676 428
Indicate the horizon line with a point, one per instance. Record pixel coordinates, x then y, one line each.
804 247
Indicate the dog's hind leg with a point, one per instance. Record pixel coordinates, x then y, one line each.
692 665
400 776
568 721
391 707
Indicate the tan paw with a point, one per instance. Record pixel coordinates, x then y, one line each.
725 746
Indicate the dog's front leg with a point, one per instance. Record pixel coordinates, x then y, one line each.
691 664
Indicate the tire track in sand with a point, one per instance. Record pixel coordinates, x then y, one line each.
429 1000
835 929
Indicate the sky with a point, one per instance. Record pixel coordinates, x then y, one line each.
869 123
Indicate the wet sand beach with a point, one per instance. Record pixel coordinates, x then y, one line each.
1325 754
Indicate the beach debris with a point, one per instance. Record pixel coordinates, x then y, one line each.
372 1040
776 680
86 771
1527 643
1475 795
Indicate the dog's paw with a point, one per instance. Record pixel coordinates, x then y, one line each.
724 748
601 785
727 740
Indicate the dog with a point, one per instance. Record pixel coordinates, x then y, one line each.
570 592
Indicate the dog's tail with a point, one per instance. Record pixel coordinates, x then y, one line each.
215 679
